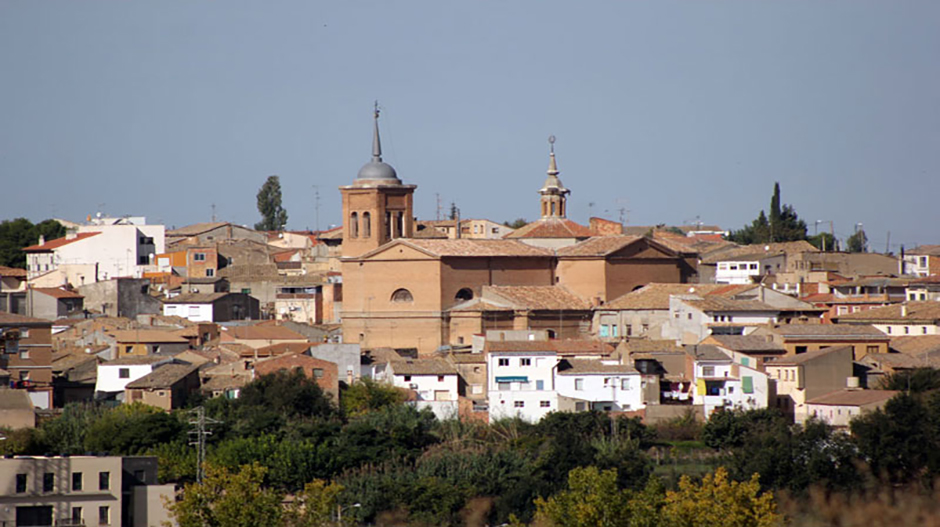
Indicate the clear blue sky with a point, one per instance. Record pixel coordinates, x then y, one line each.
672 110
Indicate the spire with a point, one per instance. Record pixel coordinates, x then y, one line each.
376 144
552 167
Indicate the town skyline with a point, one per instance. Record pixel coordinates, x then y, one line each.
716 102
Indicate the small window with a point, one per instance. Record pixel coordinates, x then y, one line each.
539 385
76 515
464 294
125 373
708 371
318 373
20 483
143 260
24 354
104 480
366 225
519 404
76 481
504 386
104 515
625 384
545 404
402 296
579 384
440 378
503 362
48 482
800 349
407 378
525 362
210 272
199 257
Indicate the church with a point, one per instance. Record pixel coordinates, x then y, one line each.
407 292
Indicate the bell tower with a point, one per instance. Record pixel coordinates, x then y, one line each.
377 207
554 194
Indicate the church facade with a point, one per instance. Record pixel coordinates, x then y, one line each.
411 293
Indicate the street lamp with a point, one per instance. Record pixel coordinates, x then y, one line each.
340 509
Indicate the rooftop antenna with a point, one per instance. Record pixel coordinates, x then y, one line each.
213 213
439 209
316 202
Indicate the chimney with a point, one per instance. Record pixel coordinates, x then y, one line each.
42 240
457 223
904 310
71 234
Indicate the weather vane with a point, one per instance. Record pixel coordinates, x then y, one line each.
376 108
551 141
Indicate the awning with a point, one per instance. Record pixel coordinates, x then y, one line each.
518 378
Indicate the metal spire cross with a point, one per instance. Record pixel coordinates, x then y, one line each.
551 141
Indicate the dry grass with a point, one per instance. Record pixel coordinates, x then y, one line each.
884 507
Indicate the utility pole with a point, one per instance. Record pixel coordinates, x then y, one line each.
438 196
316 205
213 213
199 422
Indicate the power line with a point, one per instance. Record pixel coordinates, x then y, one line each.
201 432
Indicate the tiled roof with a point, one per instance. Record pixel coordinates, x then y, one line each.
132 360
196 228
475 247
59 242
717 303
422 367
747 343
598 245
923 311
587 366
802 358
194 298
765 249
656 296
15 400
853 397
551 228
164 376
280 348
653 346
147 336
925 250
428 231
259 332
225 382
875 281
12 272
468 358
839 331
894 360
707 352
537 297
10 319
932 279
332 234
916 345
563 347
55 292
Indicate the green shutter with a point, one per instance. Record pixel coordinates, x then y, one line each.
745 361
748 383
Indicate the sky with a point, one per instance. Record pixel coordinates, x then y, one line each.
664 112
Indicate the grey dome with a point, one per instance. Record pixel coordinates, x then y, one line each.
377 170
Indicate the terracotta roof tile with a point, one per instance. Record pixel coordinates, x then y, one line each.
925 250
802 358
916 345
536 297
551 228
195 298
422 367
11 319
55 292
747 343
588 366
561 347
59 242
598 245
763 249
12 272
147 336
164 376
196 229
853 397
717 303
259 332
838 331
656 296
476 247
924 311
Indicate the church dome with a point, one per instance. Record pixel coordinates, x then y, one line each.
377 170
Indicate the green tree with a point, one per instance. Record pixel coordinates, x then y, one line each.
857 243
454 211
273 215
896 441
517 223
823 241
131 429
720 501
228 499
315 506
367 395
592 499
783 225
20 232
917 380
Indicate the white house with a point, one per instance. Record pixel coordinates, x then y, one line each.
721 383
520 380
693 317
115 375
104 249
600 385
839 408
430 379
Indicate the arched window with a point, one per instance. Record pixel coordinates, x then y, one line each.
402 295
366 224
464 294
354 225
553 208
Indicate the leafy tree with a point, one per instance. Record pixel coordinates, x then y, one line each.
20 232
917 380
857 243
228 499
592 499
66 433
367 395
131 429
896 441
454 211
727 429
517 223
315 506
783 225
273 215
720 501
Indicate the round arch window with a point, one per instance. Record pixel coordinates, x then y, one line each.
464 294
402 295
